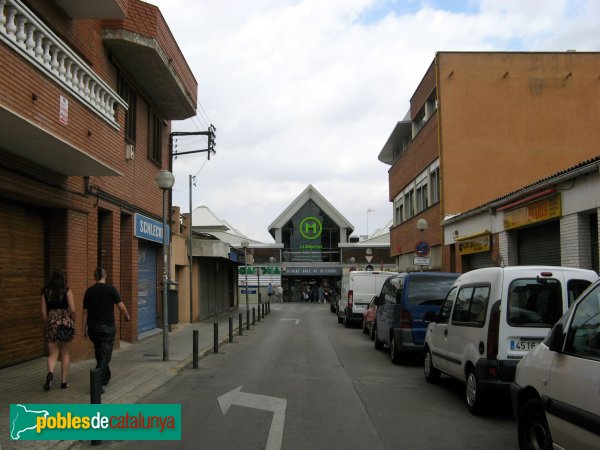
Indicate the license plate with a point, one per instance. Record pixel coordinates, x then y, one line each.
523 345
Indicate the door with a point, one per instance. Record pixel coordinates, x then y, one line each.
146 286
22 260
437 333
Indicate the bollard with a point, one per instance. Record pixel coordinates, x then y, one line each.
269 308
253 315
216 328
231 329
96 391
240 327
263 311
195 349
247 319
259 306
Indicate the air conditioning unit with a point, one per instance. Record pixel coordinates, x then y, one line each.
129 152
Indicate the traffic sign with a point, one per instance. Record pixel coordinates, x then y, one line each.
422 260
422 248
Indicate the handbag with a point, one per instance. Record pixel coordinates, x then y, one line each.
65 333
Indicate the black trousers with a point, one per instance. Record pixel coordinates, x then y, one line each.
103 337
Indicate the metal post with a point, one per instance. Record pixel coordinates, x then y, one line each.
191 262
253 315
165 280
259 305
246 280
240 326
247 319
195 349
231 329
216 333
96 391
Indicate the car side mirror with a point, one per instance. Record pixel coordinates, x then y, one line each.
556 338
430 316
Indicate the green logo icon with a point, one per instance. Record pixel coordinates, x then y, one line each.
311 228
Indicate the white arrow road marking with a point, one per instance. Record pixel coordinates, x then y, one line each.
264 402
296 320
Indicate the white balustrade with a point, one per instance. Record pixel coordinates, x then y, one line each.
29 36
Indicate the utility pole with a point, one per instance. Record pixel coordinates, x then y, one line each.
210 134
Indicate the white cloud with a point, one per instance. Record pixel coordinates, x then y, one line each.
308 91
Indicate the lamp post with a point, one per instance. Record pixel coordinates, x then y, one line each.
245 245
165 181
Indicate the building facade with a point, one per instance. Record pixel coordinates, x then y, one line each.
553 221
480 125
85 129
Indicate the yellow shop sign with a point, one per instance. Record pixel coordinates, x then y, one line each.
544 209
473 244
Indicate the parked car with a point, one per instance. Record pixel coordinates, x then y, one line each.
358 289
401 306
369 318
555 395
491 318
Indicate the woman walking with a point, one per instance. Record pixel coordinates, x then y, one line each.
58 311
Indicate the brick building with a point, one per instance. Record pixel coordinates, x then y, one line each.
87 93
481 125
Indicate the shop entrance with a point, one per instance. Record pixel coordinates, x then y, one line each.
306 289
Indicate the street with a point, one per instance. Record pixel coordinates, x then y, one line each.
299 380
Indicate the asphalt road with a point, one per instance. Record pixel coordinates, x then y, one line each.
310 383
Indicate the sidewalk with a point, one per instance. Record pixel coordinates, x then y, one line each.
138 369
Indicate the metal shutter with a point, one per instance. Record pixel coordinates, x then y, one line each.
146 286
480 260
22 259
540 244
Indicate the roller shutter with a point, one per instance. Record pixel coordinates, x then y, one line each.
22 258
146 286
480 260
540 244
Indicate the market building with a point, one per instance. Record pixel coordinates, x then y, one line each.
85 130
481 124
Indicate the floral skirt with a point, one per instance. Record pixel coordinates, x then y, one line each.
56 318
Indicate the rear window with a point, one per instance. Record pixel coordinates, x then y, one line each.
575 288
429 290
534 302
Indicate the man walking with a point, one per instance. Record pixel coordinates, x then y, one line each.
99 320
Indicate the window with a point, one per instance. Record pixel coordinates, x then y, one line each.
575 288
398 210
584 334
421 190
434 180
471 305
428 289
447 306
127 93
418 122
409 206
155 127
534 302
393 291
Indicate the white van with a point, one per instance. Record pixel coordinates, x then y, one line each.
358 289
491 318
555 395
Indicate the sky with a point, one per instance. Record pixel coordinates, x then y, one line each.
308 91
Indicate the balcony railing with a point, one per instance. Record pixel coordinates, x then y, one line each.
30 37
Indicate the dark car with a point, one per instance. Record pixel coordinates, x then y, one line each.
401 307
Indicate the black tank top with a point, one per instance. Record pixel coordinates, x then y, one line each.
57 304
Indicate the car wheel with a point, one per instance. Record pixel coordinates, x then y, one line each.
339 318
533 428
372 332
346 320
475 398
332 308
432 374
364 327
395 355
378 343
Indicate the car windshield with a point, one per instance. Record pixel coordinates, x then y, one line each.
428 289
534 302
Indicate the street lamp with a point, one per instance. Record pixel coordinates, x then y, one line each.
245 245
165 181
422 226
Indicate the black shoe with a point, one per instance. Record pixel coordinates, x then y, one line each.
105 382
65 385
48 382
